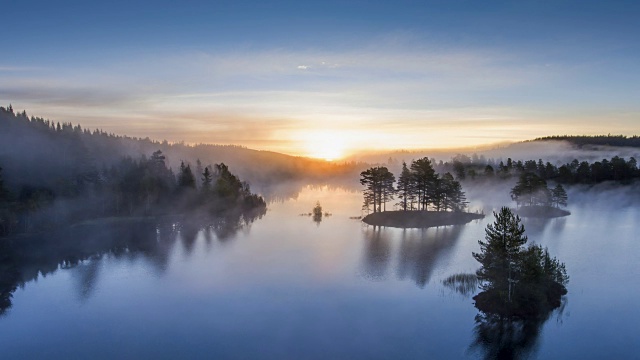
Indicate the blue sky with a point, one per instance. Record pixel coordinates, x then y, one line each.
330 74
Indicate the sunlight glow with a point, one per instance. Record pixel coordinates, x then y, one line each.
327 145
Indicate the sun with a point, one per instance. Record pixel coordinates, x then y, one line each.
327 145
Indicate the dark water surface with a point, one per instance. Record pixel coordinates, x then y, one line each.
286 287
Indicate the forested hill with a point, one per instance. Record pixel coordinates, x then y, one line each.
39 152
598 140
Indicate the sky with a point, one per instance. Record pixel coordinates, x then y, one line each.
327 78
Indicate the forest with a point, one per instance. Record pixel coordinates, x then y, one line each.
61 174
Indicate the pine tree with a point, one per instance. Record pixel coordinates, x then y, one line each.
199 170
500 252
186 179
207 179
559 196
378 182
405 188
424 177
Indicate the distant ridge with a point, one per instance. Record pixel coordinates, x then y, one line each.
595 140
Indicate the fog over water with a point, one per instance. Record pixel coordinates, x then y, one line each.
286 286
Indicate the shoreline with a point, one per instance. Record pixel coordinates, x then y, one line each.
419 219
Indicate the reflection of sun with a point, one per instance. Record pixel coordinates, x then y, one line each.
325 145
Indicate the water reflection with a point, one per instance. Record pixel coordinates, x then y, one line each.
86 276
418 252
500 337
24 259
377 252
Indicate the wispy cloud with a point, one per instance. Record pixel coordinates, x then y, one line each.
398 94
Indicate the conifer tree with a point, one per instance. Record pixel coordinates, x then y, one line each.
559 196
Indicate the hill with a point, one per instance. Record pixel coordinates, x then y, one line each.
39 152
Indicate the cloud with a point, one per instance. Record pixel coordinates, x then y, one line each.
400 94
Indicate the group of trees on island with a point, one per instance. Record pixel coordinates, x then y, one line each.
515 280
532 190
419 187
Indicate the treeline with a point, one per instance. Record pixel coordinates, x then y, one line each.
419 187
597 140
56 174
575 172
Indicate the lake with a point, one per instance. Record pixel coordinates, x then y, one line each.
287 287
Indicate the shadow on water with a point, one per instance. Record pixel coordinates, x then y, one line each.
25 258
418 253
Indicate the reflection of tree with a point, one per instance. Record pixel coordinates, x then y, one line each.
558 225
87 276
418 254
421 249
536 226
501 337
377 252
81 247
188 236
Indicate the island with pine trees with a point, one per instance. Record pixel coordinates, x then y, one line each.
534 199
426 198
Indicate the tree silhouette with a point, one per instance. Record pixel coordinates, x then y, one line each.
186 179
207 179
424 177
406 188
378 182
530 190
559 196
516 281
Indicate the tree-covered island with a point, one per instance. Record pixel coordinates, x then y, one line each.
425 198
534 199
516 281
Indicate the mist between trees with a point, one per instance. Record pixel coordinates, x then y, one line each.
60 182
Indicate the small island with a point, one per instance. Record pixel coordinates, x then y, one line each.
541 211
420 219
426 198
534 199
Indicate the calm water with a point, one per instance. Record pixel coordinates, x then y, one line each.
287 287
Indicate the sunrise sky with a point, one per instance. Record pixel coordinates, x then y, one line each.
327 78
